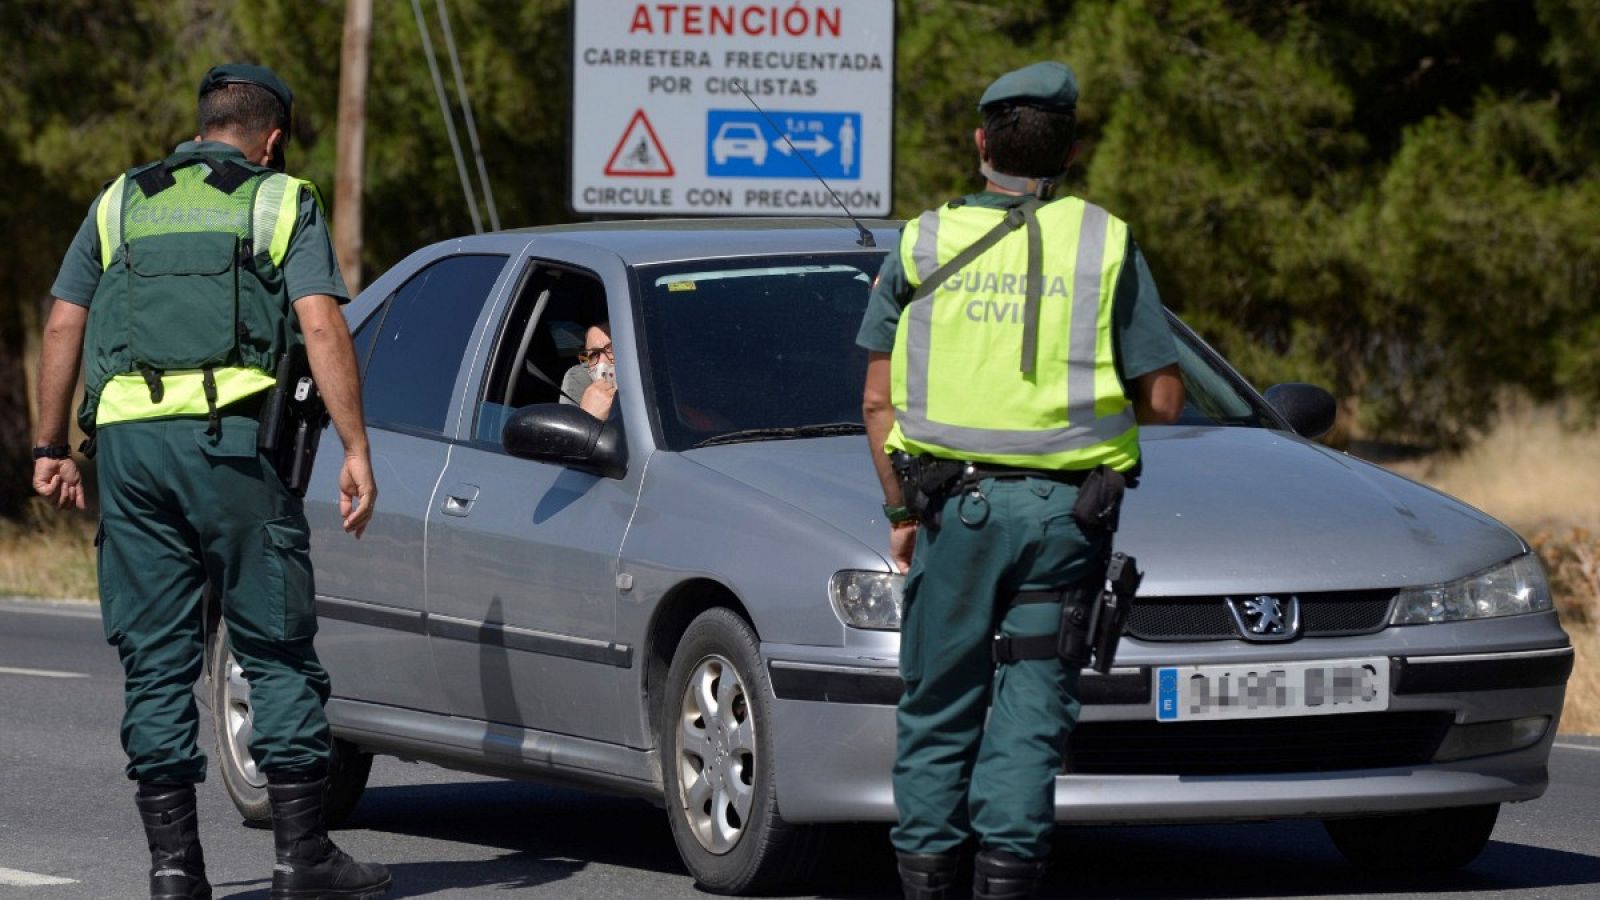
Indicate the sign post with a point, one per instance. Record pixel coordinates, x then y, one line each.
721 108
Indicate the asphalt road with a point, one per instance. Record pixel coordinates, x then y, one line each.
68 828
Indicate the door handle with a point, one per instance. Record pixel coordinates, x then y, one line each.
458 500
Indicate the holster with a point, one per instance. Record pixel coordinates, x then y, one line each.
1110 613
292 421
925 482
1095 610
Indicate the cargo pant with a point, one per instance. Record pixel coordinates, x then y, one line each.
179 507
956 775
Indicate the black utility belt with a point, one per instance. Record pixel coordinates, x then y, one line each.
1073 477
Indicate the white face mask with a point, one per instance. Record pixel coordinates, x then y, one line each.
604 370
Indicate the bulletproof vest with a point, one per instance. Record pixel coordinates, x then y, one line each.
191 249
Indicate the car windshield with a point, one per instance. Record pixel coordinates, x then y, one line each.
764 349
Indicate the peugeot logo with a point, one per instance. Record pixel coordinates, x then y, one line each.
1266 618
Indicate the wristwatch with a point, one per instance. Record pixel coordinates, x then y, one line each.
54 451
897 515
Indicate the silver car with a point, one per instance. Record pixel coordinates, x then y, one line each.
691 601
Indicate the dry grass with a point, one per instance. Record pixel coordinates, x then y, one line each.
1544 481
48 554
1530 473
1581 715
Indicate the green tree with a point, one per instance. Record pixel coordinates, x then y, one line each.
1397 200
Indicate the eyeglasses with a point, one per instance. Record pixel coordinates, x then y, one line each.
589 354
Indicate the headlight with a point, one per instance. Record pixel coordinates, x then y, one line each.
1509 589
868 599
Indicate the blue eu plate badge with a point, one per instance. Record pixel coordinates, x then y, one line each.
1167 694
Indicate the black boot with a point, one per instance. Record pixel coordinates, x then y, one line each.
927 876
177 867
997 875
309 866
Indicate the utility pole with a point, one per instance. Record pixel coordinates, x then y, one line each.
352 140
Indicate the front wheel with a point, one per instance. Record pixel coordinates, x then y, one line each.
1434 840
233 721
716 738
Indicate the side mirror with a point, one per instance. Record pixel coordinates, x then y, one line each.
1310 410
567 436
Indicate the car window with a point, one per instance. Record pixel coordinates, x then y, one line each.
762 343
537 344
367 332
1213 394
419 344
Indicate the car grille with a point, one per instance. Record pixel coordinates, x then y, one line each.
1257 746
1207 619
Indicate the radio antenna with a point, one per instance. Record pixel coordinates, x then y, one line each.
866 236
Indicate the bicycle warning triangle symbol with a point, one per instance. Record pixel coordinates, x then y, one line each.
639 152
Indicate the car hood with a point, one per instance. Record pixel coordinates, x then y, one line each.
1218 510
1221 510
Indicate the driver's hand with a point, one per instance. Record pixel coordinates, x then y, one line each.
598 397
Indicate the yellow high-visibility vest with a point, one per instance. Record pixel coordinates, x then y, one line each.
956 385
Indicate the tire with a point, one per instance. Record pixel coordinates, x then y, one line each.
232 720
1430 841
717 763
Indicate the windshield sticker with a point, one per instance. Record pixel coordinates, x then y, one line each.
680 286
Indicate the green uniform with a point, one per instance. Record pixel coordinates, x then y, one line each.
184 502
958 773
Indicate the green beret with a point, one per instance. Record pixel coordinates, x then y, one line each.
1048 85
244 73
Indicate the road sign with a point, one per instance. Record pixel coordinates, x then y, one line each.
784 144
717 108
639 151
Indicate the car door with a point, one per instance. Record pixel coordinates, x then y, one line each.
371 592
522 555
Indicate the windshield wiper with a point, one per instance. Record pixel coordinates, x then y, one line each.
783 434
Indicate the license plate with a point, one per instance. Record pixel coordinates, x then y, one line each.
1263 690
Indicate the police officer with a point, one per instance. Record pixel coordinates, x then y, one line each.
187 282
1024 338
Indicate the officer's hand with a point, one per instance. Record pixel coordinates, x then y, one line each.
58 481
358 493
597 398
902 540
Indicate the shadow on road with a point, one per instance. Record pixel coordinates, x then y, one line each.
1278 859
512 871
552 833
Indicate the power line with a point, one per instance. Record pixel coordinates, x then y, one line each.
466 109
449 120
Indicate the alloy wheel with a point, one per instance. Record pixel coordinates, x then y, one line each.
239 723
716 755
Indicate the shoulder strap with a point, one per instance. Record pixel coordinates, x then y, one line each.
1035 287
1015 218
1023 214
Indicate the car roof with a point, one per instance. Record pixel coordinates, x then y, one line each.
642 242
